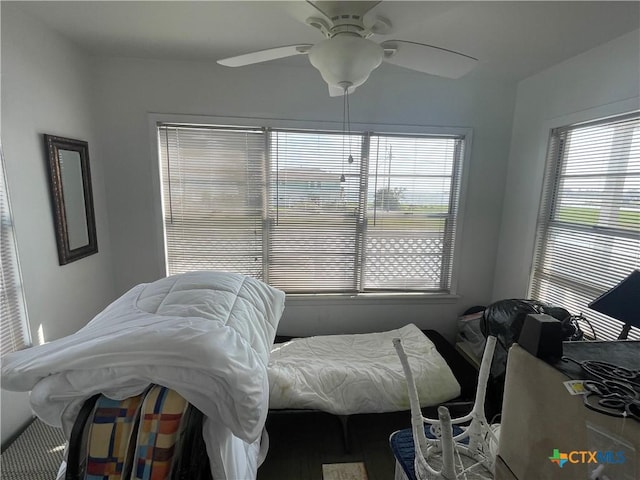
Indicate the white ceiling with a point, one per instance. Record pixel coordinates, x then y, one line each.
511 39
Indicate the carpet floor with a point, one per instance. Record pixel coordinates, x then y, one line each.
35 455
302 447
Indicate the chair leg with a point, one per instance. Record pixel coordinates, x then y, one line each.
448 462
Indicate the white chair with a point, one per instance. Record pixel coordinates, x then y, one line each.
446 448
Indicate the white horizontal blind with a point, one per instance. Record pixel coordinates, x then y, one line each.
291 208
412 203
13 318
213 181
588 236
313 215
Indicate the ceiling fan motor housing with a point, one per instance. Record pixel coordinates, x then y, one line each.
346 59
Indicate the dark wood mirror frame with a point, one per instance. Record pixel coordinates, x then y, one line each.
70 181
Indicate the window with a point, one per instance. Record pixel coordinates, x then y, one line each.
312 211
13 322
588 236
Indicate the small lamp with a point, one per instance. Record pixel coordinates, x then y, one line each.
621 302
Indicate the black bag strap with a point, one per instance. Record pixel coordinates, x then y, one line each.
193 461
73 471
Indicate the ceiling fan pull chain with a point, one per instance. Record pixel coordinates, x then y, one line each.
346 94
344 116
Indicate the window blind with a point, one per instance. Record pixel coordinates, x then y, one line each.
412 211
313 214
312 211
213 198
588 234
13 319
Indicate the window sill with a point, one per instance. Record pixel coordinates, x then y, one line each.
370 298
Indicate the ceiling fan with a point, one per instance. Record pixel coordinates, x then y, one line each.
347 56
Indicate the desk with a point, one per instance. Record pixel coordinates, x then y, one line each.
539 415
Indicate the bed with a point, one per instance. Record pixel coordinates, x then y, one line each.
346 375
349 374
205 335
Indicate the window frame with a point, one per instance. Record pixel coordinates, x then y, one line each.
155 120
16 289
552 168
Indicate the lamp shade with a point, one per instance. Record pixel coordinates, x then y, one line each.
621 302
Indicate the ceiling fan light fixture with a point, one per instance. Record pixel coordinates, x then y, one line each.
346 59
347 56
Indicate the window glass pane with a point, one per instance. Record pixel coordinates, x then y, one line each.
408 211
599 183
212 191
313 210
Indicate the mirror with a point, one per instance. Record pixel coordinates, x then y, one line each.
73 213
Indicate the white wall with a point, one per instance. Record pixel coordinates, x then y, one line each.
46 89
601 82
131 89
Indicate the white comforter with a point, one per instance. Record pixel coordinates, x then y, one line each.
206 335
348 374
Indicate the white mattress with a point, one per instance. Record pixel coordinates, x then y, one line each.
349 374
206 335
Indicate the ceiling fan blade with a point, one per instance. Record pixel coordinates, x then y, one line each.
427 58
265 55
337 91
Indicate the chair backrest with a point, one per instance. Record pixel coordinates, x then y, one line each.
472 441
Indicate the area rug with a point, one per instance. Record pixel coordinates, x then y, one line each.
344 471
